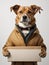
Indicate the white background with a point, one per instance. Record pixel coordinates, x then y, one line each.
7 23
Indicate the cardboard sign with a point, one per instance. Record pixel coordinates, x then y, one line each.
24 53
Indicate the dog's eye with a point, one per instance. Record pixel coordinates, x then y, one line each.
20 12
29 12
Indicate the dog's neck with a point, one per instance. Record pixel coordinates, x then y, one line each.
25 31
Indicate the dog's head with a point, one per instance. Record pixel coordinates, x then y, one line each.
25 15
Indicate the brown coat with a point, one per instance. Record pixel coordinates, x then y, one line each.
16 39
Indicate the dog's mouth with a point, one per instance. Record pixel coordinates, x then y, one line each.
24 24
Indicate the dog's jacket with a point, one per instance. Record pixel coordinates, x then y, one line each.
16 39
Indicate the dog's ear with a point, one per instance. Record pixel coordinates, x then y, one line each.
35 9
15 8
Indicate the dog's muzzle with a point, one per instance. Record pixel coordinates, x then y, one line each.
24 21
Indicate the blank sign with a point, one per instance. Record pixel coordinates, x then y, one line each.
24 53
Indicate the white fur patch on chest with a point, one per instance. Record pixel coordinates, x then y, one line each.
25 32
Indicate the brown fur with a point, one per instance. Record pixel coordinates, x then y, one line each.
15 38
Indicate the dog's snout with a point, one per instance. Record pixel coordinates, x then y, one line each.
24 17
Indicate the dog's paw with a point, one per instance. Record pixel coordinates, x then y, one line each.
6 53
42 54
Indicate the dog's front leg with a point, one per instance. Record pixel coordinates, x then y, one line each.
43 47
43 52
5 50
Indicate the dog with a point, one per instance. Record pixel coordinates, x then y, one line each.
25 32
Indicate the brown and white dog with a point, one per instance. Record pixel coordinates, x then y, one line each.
26 33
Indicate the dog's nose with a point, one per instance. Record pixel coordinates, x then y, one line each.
24 17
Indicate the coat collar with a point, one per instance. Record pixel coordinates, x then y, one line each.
33 30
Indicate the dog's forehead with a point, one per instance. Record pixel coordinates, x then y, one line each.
24 8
